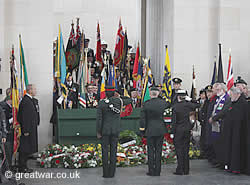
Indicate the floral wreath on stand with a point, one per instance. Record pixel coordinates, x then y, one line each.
167 116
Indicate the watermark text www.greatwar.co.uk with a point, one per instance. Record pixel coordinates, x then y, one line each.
43 175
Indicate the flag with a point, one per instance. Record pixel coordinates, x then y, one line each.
136 66
81 80
118 45
110 78
72 53
145 91
193 89
124 53
98 47
15 102
230 77
128 109
78 38
166 85
23 72
80 67
139 77
215 77
62 61
57 65
146 95
220 68
150 76
102 89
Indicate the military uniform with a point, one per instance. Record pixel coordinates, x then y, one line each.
152 124
91 100
174 91
72 93
108 128
181 130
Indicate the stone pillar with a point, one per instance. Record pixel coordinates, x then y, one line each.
154 35
159 33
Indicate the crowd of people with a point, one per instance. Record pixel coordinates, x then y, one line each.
28 116
123 77
222 113
224 117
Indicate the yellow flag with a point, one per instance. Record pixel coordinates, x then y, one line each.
166 86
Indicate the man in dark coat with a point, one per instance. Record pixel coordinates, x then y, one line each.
136 102
235 118
3 135
202 119
242 85
153 125
28 118
181 130
7 107
212 96
91 97
247 131
217 135
176 87
108 128
72 98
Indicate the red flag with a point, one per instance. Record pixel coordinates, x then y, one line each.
119 45
15 102
136 67
78 32
98 47
230 77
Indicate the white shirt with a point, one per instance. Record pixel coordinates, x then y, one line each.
29 95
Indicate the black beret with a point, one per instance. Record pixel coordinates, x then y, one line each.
154 89
133 89
240 81
177 80
90 53
202 91
110 88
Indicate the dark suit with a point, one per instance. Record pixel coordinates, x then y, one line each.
153 125
10 135
181 130
108 126
91 100
28 117
73 93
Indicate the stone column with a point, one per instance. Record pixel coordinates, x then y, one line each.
159 33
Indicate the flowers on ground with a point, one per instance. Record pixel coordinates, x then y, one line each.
90 155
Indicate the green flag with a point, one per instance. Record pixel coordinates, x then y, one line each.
23 72
147 95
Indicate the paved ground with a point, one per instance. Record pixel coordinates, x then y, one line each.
201 173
